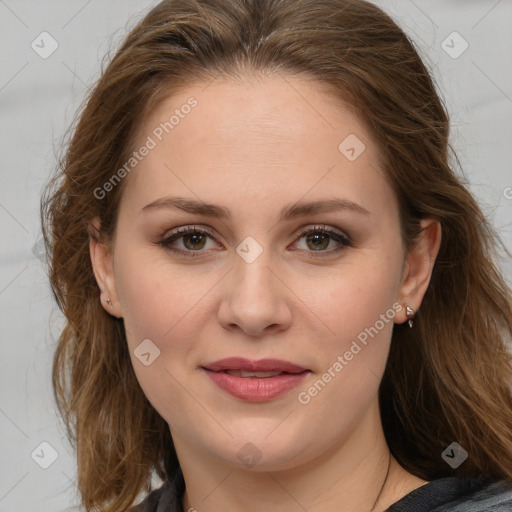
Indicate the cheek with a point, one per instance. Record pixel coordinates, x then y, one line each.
353 298
357 308
141 295
158 311
156 298
360 311
163 304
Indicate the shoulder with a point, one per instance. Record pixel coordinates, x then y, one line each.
493 496
458 494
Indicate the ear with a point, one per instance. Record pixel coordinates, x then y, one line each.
102 264
418 268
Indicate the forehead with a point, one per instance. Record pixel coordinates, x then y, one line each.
253 138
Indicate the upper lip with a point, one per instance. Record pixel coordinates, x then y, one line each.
261 365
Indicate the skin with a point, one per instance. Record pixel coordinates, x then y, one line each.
256 146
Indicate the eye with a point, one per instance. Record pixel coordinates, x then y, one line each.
194 240
319 238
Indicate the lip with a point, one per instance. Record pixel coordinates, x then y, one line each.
255 389
261 365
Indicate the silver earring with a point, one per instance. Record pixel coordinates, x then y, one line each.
410 314
109 302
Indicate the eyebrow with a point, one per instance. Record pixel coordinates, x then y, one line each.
288 212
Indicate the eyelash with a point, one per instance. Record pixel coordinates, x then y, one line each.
180 232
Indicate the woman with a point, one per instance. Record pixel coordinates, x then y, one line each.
279 295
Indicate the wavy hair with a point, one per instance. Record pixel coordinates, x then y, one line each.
448 379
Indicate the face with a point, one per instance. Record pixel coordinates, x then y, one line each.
259 276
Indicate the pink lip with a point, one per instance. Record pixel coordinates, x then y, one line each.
255 389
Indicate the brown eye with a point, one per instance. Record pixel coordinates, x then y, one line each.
318 239
194 241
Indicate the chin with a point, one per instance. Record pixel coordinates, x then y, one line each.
262 447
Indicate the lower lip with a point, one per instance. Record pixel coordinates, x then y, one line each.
256 389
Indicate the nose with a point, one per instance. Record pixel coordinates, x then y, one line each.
255 299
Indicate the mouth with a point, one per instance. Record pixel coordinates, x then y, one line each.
255 381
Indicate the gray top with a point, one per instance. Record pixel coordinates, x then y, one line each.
449 494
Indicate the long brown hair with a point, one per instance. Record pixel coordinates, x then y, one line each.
448 379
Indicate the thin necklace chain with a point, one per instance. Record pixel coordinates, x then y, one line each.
382 488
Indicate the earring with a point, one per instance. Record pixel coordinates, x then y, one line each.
410 314
109 302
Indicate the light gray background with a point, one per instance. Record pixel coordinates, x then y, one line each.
38 98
